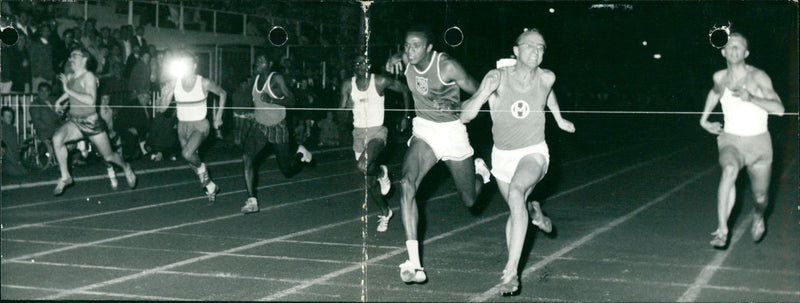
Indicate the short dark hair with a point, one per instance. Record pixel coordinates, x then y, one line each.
44 84
6 109
424 30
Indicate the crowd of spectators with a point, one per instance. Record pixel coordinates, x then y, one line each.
130 70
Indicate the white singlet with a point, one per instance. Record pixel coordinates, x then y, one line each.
367 105
191 105
742 118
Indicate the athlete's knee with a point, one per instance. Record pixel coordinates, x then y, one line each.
730 171
187 154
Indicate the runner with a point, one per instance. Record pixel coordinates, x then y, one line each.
83 121
190 91
267 124
747 98
517 96
364 94
435 80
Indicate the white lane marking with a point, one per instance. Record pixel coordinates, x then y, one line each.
494 291
309 283
144 171
151 231
39 224
139 189
708 271
95 293
211 255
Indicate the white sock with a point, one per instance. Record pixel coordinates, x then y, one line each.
413 252
201 169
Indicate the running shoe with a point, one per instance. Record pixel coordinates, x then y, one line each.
510 285
483 170
112 177
130 176
250 206
720 239
384 181
62 184
211 194
383 221
411 274
758 228
306 154
539 219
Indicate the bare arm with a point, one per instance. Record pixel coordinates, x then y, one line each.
167 93
711 102
89 82
344 94
453 71
765 96
288 99
223 95
470 108
397 86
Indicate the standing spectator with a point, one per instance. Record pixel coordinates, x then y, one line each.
41 57
10 144
125 37
138 38
44 117
16 71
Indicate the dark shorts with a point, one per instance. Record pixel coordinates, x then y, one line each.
187 128
255 135
746 150
89 125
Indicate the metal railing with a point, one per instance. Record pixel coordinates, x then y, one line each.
20 104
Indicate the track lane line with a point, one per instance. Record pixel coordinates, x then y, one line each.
295 289
144 171
494 291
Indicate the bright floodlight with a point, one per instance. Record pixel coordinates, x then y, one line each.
656 56
644 43
178 67
552 10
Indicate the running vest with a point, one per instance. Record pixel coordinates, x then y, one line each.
265 110
191 105
427 86
367 105
78 108
518 116
742 118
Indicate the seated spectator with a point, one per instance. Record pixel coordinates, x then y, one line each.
328 130
9 143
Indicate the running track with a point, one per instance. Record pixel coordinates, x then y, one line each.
632 223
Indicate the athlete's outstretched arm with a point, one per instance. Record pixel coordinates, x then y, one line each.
470 108
769 99
166 96
219 91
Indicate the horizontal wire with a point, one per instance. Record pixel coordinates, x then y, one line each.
447 111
